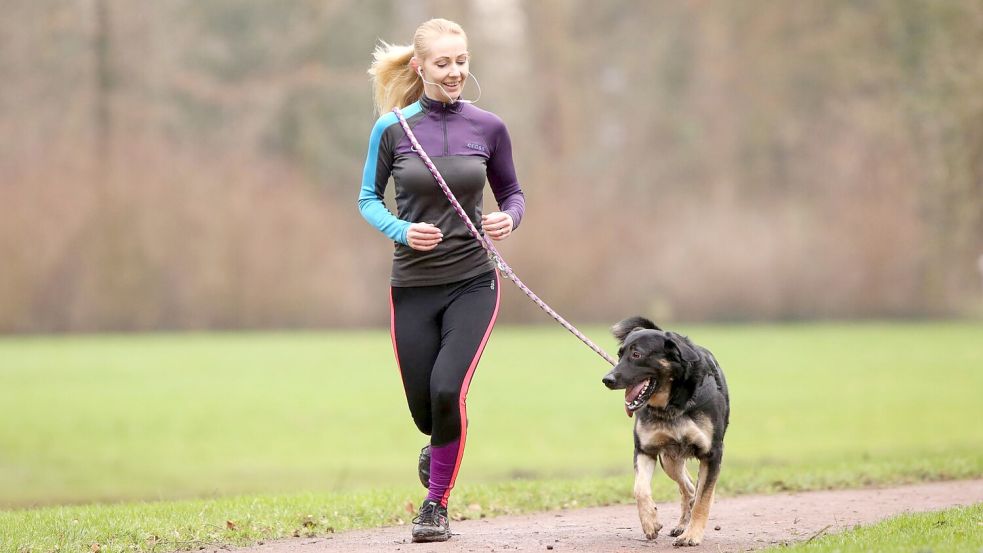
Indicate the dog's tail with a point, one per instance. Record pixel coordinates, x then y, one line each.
624 328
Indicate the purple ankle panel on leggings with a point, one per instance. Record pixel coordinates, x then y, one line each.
443 460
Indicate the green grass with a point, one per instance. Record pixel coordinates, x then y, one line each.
190 524
949 531
319 420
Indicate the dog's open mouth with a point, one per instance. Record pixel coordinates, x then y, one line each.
637 395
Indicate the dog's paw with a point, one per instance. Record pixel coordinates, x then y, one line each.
677 531
686 541
651 530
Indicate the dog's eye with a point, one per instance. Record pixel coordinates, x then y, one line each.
636 355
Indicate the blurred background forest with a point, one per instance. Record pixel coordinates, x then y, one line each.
189 164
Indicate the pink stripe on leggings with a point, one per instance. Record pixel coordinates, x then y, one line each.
392 329
464 391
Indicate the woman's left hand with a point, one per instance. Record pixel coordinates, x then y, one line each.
497 225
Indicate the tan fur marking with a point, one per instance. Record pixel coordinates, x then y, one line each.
647 513
702 437
683 432
661 396
675 467
701 511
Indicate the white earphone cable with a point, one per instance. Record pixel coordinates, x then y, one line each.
419 72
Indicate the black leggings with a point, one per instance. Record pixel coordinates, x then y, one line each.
438 333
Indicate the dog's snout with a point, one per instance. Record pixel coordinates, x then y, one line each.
610 381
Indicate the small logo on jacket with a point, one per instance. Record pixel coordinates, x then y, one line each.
479 147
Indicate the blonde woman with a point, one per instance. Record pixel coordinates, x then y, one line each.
444 292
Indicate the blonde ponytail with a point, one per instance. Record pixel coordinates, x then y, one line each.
394 82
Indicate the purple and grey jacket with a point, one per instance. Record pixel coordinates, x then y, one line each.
467 144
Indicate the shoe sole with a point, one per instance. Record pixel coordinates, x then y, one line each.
431 538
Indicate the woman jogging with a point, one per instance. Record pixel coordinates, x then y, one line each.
444 293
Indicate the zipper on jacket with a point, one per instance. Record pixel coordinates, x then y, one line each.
443 123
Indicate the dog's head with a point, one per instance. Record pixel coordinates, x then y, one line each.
649 361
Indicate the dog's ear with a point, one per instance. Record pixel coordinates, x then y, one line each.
624 328
679 347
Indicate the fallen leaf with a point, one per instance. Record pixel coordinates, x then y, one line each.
231 525
410 508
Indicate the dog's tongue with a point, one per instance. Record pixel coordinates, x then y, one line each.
632 393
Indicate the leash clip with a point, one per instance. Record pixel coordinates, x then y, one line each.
497 260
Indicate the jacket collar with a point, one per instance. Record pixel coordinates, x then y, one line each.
436 106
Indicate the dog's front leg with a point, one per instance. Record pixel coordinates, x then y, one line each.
706 482
647 514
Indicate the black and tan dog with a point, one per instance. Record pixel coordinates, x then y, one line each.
680 396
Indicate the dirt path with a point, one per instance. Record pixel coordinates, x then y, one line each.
746 523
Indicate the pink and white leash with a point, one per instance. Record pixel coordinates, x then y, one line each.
486 242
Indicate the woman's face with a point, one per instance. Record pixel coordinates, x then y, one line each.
447 66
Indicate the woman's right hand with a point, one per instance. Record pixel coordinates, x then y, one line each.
423 236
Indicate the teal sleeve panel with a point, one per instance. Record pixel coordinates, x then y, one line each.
375 176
